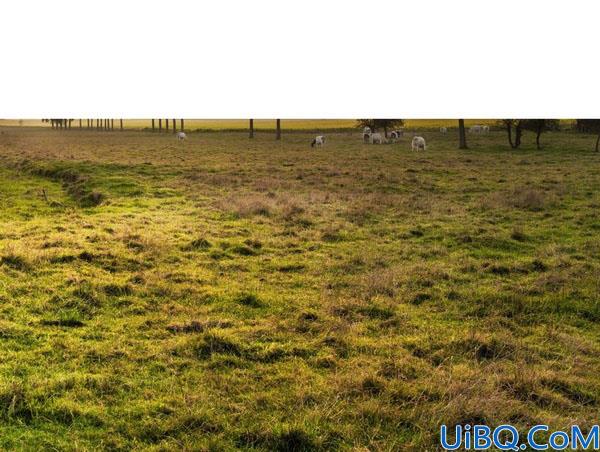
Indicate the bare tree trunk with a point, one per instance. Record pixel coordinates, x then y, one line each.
181 124
153 125
509 130
462 135
278 130
159 125
518 135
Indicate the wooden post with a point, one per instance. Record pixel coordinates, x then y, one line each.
112 124
252 128
181 124
153 125
174 126
159 125
278 131
121 124
80 123
167 125
462 136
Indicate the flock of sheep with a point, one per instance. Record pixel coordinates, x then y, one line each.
418 142
371 137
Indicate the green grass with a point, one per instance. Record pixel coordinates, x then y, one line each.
227 294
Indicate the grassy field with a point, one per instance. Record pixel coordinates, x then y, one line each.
227 293
259 124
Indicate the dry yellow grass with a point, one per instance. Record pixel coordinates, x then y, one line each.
261 124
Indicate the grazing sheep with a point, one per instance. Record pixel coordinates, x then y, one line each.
376 138
475 129
396 134
366 134
485 129
418 143
318 141
443 130
181 136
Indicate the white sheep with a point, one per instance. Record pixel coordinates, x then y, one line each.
376 138
418 143
318 141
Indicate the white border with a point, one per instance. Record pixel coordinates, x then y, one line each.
299 58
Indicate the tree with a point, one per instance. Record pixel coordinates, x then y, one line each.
384 124
590 126
509 124
538 126
252 128
462 135
278 130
